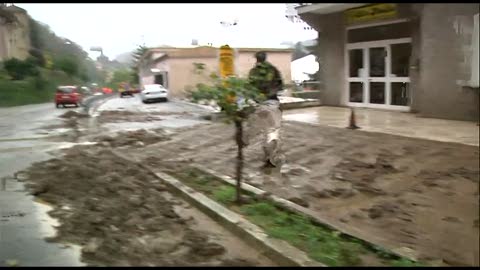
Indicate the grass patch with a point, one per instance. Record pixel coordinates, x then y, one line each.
225 195
320 243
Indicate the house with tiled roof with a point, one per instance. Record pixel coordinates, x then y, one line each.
174 67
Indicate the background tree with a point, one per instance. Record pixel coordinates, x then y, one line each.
120 76
67 65
137 55
237 98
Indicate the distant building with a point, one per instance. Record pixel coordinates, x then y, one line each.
14 33
303 67
409 57
174 67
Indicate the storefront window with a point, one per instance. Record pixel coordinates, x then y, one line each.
356 62
400 59
356 92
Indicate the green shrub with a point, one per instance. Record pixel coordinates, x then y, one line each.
67 65
18 69
38 57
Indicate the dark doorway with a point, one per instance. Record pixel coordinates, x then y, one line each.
159 79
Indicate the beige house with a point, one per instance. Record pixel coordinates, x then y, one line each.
14 33
174 67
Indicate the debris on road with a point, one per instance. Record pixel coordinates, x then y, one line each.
120 213
138 138
71 114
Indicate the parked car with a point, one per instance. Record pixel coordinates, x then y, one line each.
67 95
154 92
85 91
107 90
125 92
136 90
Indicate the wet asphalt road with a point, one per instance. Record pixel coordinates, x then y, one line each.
24 140
23 223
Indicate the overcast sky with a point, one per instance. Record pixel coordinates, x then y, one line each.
119 28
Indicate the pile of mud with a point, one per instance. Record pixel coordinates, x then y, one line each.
71 114
119 213
133 138
126 116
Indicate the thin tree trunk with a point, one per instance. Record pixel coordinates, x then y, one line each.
239 136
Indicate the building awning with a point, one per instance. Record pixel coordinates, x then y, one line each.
326 8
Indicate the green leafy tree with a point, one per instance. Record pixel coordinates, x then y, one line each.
120 76
67 65
137 55
236 96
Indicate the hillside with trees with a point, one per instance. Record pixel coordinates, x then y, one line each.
52 61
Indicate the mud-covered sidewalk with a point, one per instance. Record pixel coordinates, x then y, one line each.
417 195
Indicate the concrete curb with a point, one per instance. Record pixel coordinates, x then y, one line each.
277 250
300 104
283 106
288 205
205 107
88 103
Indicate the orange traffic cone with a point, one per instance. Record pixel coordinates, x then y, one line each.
353 122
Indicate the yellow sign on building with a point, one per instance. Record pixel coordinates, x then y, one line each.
370 13
226 63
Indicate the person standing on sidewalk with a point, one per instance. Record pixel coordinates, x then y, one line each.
266 119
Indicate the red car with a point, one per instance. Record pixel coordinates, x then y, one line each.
107 90
67 95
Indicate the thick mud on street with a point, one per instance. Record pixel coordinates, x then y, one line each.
418 196
119 214
408 194
124 216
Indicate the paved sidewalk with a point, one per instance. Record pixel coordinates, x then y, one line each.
397 123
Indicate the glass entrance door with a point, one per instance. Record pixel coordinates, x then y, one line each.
378 74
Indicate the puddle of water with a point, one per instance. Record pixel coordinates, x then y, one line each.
22 139
48 225
23 236
65 145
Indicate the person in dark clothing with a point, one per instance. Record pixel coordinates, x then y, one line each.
266 119
266 77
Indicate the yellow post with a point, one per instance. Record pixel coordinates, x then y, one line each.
226 63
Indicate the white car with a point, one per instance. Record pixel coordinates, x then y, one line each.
153 92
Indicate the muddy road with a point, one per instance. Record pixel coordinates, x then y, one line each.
23 222
122 215
109 212
416 195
